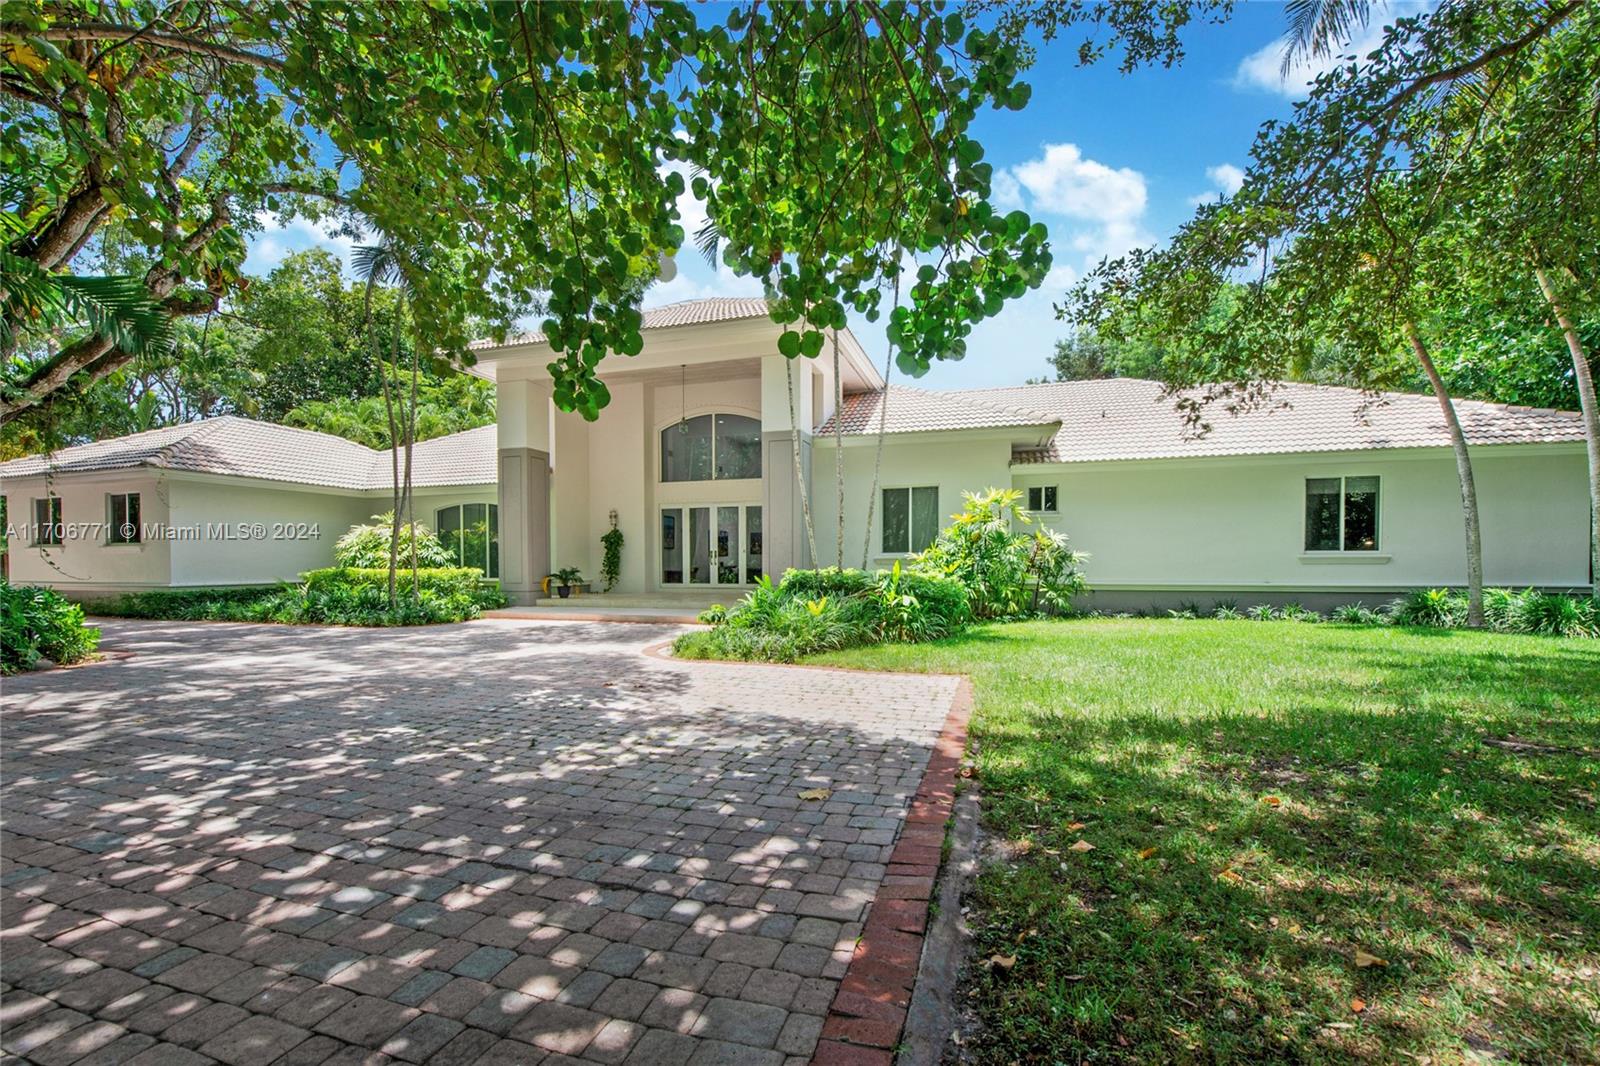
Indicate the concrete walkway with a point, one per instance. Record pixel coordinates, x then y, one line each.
506 841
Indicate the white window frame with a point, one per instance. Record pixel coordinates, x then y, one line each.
111 521
54 513
911 532
1377 517
1045 492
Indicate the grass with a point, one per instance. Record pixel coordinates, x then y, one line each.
1264 801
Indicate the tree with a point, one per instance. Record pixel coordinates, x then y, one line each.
1359 215
1083 355
447 403
537 157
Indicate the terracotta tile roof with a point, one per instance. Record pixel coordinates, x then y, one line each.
1128 418
924 411
683 313
243 447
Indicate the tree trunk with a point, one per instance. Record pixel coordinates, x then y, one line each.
1469 491
799 470
411 439
394 453
838 453
1591 418
883 423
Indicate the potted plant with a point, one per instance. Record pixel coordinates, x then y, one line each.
567 577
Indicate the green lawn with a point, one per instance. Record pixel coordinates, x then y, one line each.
1265 800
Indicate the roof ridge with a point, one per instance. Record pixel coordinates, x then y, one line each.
202 427
1284 383
960 395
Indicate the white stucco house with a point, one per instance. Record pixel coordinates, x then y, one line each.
225 501
1324 498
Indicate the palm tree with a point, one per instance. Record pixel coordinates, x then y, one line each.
118 308
383 264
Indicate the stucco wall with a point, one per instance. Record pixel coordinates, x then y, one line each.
85 562
265 552
1238 523
954 464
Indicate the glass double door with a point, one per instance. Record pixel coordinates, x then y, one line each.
711 544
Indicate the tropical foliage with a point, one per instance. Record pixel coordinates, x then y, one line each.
986 565
545 160
333 596
1008 569
1531 611
817 610
367 546
38 625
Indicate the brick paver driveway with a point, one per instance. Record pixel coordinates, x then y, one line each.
498 842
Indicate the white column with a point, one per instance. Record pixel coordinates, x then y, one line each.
523 411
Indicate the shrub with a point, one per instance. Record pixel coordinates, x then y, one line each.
443 580
1261 612
1227 612
1555 615
772 624
1354 614
1007 574
332 596
1441 608
367 547
193 604
39 623
1294 612
818 610
940 597
1499 607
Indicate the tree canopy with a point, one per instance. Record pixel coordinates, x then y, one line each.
519 152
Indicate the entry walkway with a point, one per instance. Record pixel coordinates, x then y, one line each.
505 841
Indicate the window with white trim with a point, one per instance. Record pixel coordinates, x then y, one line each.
1341 514
122 518
910 519
47 520
1042 498
471 533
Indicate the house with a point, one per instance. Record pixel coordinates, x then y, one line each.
1324 496
225 501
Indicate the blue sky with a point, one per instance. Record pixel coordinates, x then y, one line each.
1106 160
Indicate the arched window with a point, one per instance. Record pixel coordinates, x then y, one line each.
711 448
471 533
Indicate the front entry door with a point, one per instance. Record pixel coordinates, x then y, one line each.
711 544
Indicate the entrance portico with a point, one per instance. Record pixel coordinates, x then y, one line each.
693 458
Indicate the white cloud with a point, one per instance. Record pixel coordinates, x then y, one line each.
1064 182
1226 178
1103 206
1004 192
1262 70
276 240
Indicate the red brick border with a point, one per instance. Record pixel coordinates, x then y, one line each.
869 1010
